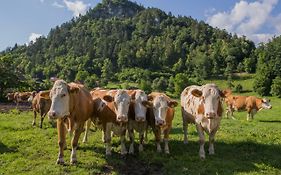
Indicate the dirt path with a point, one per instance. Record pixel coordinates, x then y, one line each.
6 107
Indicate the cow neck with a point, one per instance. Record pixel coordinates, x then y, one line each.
258 103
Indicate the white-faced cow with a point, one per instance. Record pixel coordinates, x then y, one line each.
41 104
202 105
137 117
160 115
111 112
73 103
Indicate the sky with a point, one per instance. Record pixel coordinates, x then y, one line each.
22 21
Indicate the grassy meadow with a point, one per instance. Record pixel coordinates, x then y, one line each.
241 147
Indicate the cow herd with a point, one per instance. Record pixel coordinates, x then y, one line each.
120 111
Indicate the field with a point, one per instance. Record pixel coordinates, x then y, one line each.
241 148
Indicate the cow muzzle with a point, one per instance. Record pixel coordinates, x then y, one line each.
140 119
160 122
122 118
210 115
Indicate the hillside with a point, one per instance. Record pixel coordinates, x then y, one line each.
123 41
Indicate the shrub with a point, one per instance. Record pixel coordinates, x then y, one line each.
276 87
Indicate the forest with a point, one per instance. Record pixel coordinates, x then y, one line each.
121 41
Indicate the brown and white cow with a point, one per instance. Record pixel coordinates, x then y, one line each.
250 104
18 97
73 103
41 104
111 112
202 106
229 101
137 117
160 115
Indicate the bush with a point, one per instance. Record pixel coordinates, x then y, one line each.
276 87
238 88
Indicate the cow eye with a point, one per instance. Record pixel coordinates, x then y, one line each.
63 95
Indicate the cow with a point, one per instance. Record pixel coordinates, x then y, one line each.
111 113
250 104
137 117
229 101
202 105
18 97
160 114
41 104
73 103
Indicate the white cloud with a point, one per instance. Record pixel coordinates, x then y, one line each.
56 4
248 18
42 1
33 37
77 7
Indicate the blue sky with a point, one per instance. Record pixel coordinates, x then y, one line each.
23 20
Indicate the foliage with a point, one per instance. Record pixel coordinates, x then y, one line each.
122 41
276 87
239 88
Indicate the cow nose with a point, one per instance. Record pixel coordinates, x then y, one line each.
160 122
52 114
211 115
140 119
122 118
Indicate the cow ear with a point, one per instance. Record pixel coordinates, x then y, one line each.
108 98
73 89
147 104
222 94
172 104
45 94
149 97
196 93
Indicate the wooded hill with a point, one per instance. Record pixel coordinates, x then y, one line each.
119 41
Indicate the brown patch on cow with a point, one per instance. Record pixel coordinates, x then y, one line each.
201 109
196 93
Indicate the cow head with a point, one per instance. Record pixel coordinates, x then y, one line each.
266 104
160 104
121 101
10 96
139 106
60 97
210 108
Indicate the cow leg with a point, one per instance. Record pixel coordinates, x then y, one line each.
88 125
248 116
107 138
201 141
34 118
42 119
74 143
166 139
61 140
157 133
132 138
184 126
141 138
123 140
211 142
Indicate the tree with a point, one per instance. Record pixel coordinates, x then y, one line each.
276 87
107 70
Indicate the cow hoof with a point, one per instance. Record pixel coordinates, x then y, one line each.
202 157
108 153
124 153
73 162
60 161
140 148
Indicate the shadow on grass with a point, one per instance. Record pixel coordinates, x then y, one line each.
270 121
5 149
184 159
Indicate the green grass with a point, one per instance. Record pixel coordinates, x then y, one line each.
241 148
